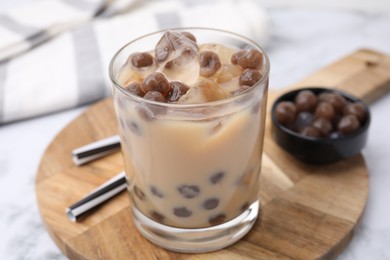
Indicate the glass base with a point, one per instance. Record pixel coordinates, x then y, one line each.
197 240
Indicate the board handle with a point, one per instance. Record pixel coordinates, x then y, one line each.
364 74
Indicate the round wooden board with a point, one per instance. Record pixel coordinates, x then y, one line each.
308 212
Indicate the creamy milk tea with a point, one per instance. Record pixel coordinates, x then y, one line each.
191 118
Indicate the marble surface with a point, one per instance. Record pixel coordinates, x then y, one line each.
302 39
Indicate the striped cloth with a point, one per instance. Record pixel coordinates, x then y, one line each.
54 54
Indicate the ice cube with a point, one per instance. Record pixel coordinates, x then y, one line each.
228 72
204 91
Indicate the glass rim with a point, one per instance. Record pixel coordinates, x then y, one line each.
244 93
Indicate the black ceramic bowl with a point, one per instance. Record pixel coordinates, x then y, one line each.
319 150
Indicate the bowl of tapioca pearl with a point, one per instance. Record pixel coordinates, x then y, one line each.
320 125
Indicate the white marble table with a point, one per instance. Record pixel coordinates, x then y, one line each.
302 40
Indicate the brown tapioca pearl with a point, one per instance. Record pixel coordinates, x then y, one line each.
141 60
133 126
156 192
356 109
177 90
338 102
155 96
189 36
217 178
250 59
285 112
249 77
189 191
156 81
325 110
348 124
211 203
217 219
310 131
135 88
209 63
150 111
303 120
157 216
182 212
323 125
236 56
306 100
139 193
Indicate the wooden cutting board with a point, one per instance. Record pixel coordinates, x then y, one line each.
308 212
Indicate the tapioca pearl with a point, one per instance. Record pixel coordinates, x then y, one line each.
323 125
325 110
348 124
217 177
154 96
285 112
249 77
303 119
176 91
182 212
211 203
209 63
217 219
189 191
306 100
310 131
155 81
139 193
157 216
156 192
356 109
338 102
141 59
236 56
135 88
250 59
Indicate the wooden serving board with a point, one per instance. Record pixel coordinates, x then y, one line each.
308 212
